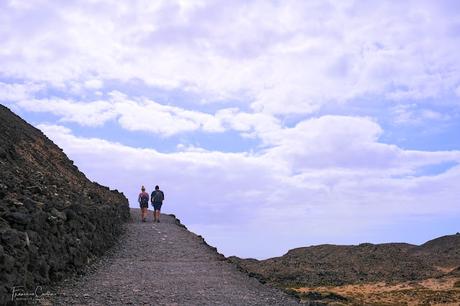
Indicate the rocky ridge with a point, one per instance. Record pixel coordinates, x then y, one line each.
335 265
53 220
339 265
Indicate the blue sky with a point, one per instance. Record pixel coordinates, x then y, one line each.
269 124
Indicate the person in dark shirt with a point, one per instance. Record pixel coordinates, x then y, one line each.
143 200
157 197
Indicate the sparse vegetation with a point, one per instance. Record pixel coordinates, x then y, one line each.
426 292
371 274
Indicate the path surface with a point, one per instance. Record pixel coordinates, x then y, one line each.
165 264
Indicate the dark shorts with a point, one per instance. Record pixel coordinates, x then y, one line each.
146 205
157 206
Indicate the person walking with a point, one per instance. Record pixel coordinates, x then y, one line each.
143 200
157 197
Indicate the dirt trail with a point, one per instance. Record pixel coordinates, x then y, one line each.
165 264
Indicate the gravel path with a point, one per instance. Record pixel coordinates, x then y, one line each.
165 264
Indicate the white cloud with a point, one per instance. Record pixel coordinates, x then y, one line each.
17 92
249 124
412 114
147 115
282 57
228 196
88 114
348 144
94 84
142 114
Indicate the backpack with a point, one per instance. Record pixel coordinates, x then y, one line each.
144 199
158 197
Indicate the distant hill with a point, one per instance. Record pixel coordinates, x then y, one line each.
334 265
443 252
53 220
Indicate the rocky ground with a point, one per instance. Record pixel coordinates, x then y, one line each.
53 220
164 264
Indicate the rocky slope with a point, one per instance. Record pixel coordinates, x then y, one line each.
338 265
53 220
332 265
442 252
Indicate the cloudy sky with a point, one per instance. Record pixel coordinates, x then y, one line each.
269 124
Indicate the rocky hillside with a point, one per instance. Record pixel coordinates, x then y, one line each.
332 265
366 274
53 220
442 252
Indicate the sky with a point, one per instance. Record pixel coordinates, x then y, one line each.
269 125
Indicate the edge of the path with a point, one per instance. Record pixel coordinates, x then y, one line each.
98 262
229 260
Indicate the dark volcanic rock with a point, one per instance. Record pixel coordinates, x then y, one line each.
443 251
53 220
333 265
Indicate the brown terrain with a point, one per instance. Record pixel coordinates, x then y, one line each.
369 274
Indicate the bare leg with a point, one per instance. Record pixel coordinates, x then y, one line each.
158 215
154 215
